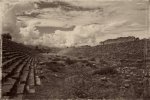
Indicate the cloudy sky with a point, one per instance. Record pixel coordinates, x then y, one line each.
73 22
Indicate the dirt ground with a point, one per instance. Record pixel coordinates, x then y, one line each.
66 77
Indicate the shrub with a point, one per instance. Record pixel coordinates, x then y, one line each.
69 61
56 59
6 36
106 71
92 59
54 66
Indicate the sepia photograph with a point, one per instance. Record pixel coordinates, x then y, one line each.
75 49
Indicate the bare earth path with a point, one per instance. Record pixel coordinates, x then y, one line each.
52 87
52 82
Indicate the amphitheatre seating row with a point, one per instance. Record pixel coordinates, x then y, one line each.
10 57
19 70
13 46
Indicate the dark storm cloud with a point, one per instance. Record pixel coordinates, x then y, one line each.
64 5
53 29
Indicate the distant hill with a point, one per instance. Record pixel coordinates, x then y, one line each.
119 40
115 51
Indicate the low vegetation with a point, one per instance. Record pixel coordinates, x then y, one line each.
114 71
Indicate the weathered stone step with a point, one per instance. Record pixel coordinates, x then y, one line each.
6 53
16 48
25 73
12 55
11 51
5 58
37 80
16 73
18 97
31 80
18 70
4 74
4 50
30 87
13 66
5 97
7 86
20 88
11 60
21 66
